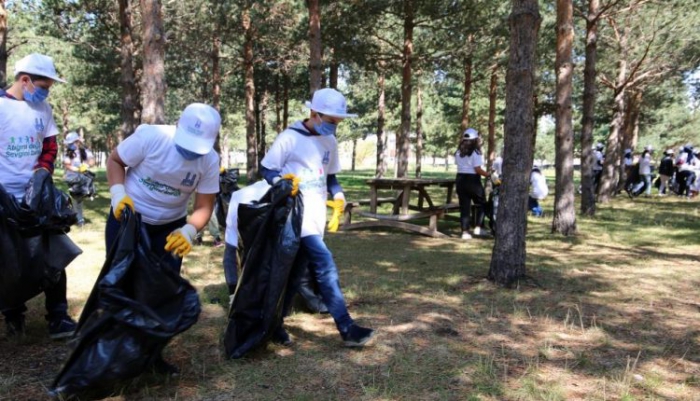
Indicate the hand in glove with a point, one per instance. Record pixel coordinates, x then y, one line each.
338 205
83 168
120 200
222 170
180 241
295 182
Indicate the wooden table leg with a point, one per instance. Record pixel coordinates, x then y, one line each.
373 199
406 198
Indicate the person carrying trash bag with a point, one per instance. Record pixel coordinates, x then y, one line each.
28 143
306 153
166 165
76 162
138 304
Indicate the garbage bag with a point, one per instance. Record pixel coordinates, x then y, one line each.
33 243
82 186
228 184
136 306
270 234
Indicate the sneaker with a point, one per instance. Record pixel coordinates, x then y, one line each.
218 243
466 235
15 326
161 367
477 231
62 327
281 337
357 336
81 223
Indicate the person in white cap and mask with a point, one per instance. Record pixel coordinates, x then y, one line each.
167 164
76 161
28 142
307 154
470 162
666 171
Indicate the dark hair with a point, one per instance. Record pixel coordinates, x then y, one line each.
71 154
33 77
469 146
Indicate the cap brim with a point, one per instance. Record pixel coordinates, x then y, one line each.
193 143
328 113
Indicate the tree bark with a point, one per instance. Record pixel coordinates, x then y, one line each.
467 93
403 140
128 81
564 220
285 101
216 78
493 91
509 252
381 141
153 82
315 57
588 112
419 131
333 76
354 154
251 140
278 106
3 45
262 149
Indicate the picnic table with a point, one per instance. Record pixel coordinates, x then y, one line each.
404 212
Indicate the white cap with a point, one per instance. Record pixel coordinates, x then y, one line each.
470 133
329 102
599 145
628 150
197 128
648 148
669 151
71 137
37 64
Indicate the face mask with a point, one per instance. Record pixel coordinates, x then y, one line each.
187 154
72 146
39 95
325 128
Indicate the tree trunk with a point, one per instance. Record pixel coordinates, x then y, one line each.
285 101
508 258
153 80
333 76
315 57
419 131
128 81
381 141
467 94
588 113
403 140
65 118
263 124
216 78
251 142
564 221
354 154
493 91
278 107
3 45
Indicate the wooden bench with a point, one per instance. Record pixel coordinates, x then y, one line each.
349 206
401 221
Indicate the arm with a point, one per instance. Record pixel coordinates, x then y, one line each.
203 208
481 171
68 167
269 175
49 150
333 185
116 169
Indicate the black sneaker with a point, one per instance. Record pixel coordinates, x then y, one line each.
161 367
62 327
281 337
15 326
357 336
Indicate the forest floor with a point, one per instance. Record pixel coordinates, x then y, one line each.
612 313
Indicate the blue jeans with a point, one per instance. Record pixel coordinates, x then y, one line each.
647 181
325 272
533 205
231 267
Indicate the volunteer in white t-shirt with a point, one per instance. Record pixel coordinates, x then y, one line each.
77 160
687 165
28 142
538 192
307 153
598 164
645 168
470 164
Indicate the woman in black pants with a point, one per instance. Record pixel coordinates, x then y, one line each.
469 188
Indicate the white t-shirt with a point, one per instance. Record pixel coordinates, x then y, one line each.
538 186
682 162
75 162
159 179
645 164
311 158
598 165
246 195
23 127
467 164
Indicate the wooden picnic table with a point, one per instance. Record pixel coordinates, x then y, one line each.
403 211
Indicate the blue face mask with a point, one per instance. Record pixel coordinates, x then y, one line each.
39 95
325 128
72 146
187 154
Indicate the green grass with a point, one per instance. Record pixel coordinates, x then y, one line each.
618 302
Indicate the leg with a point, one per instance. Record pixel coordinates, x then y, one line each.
464 202
213 227
231 267
647 182
61 325
78 205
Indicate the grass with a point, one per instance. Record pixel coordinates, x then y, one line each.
615 317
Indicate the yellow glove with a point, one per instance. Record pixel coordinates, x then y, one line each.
295 182
83 168
179 242
338 206
222 170
120 200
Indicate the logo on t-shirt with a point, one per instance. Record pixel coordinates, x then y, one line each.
189 180
39 125
155 186
326 157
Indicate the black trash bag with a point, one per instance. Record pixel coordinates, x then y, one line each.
33 244
137 305
270 234
228 184
82 186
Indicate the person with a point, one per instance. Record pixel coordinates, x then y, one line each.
686 163
497 166
598 165
645 169
666 171
28 142
468 182
307 154
76 162
538 192
166 165
213 227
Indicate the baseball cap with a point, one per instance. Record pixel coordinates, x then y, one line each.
71 137
649 148
628 150
329 102
197 128
669 151
470 133
37 64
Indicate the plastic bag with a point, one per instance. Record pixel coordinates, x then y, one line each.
83 186
228 184
137 305
270 234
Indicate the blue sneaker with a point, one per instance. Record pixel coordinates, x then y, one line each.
62 327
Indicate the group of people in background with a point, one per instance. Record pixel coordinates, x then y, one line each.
677 172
